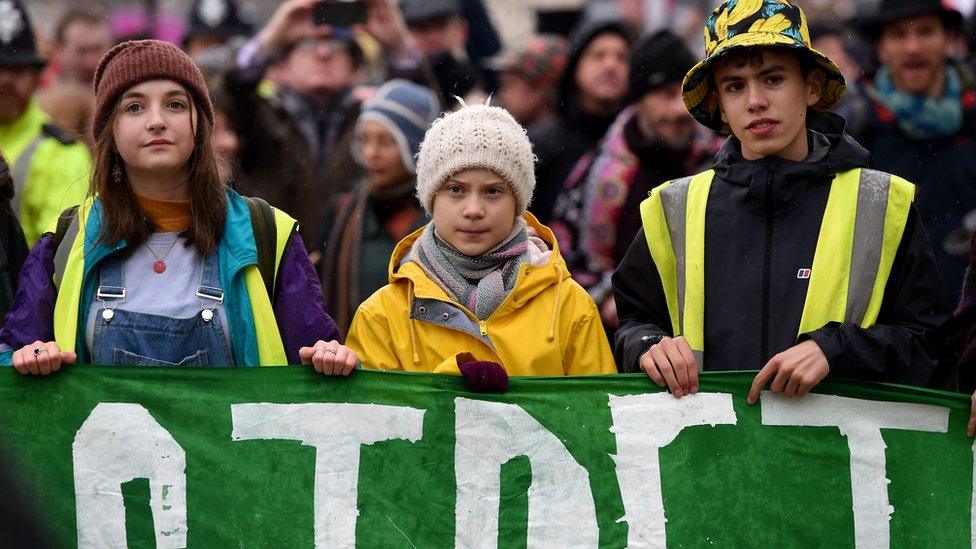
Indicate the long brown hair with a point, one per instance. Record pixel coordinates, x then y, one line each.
121 215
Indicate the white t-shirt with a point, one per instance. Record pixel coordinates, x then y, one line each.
172 293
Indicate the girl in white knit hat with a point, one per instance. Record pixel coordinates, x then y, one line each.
481 290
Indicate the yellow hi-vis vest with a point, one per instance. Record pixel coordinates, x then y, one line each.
861 230
69 273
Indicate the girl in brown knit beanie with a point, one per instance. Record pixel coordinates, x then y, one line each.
163 264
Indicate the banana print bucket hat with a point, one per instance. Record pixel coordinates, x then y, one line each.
751 23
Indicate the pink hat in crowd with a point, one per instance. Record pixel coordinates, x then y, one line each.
134 22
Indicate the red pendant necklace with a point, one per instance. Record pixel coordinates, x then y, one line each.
160 266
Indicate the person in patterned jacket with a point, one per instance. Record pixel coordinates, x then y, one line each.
653 140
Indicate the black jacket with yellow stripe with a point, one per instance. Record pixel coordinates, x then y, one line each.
762 225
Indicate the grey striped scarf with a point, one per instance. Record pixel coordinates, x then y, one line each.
479 283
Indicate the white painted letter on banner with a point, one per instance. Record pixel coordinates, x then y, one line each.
336 431
489 434
861 422
643 424
116 444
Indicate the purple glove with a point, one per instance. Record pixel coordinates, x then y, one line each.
483 376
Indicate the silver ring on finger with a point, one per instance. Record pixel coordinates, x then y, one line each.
39 350
333 351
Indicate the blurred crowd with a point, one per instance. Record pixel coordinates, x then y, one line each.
321 108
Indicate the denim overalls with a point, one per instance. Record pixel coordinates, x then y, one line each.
128 338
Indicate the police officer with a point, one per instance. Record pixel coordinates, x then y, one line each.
213 23
50 168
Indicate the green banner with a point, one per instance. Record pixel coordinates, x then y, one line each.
283 457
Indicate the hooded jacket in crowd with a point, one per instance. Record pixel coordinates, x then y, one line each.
561 141
758 282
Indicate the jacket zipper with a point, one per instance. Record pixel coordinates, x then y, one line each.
481 323
767 258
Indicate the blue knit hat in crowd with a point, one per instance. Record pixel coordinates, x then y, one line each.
405 109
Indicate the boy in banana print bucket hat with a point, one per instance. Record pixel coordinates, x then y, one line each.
754 24
788 255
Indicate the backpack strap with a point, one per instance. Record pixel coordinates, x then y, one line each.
265 237
262 224
64 237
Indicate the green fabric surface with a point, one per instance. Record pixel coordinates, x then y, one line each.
746 484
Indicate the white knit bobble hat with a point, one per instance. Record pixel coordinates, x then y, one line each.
476 137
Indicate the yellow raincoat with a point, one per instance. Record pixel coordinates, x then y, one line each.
547 326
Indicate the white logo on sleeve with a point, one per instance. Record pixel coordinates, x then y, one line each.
803 274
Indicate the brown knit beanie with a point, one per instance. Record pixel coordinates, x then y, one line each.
136 61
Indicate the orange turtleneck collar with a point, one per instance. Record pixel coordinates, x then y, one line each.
168 215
